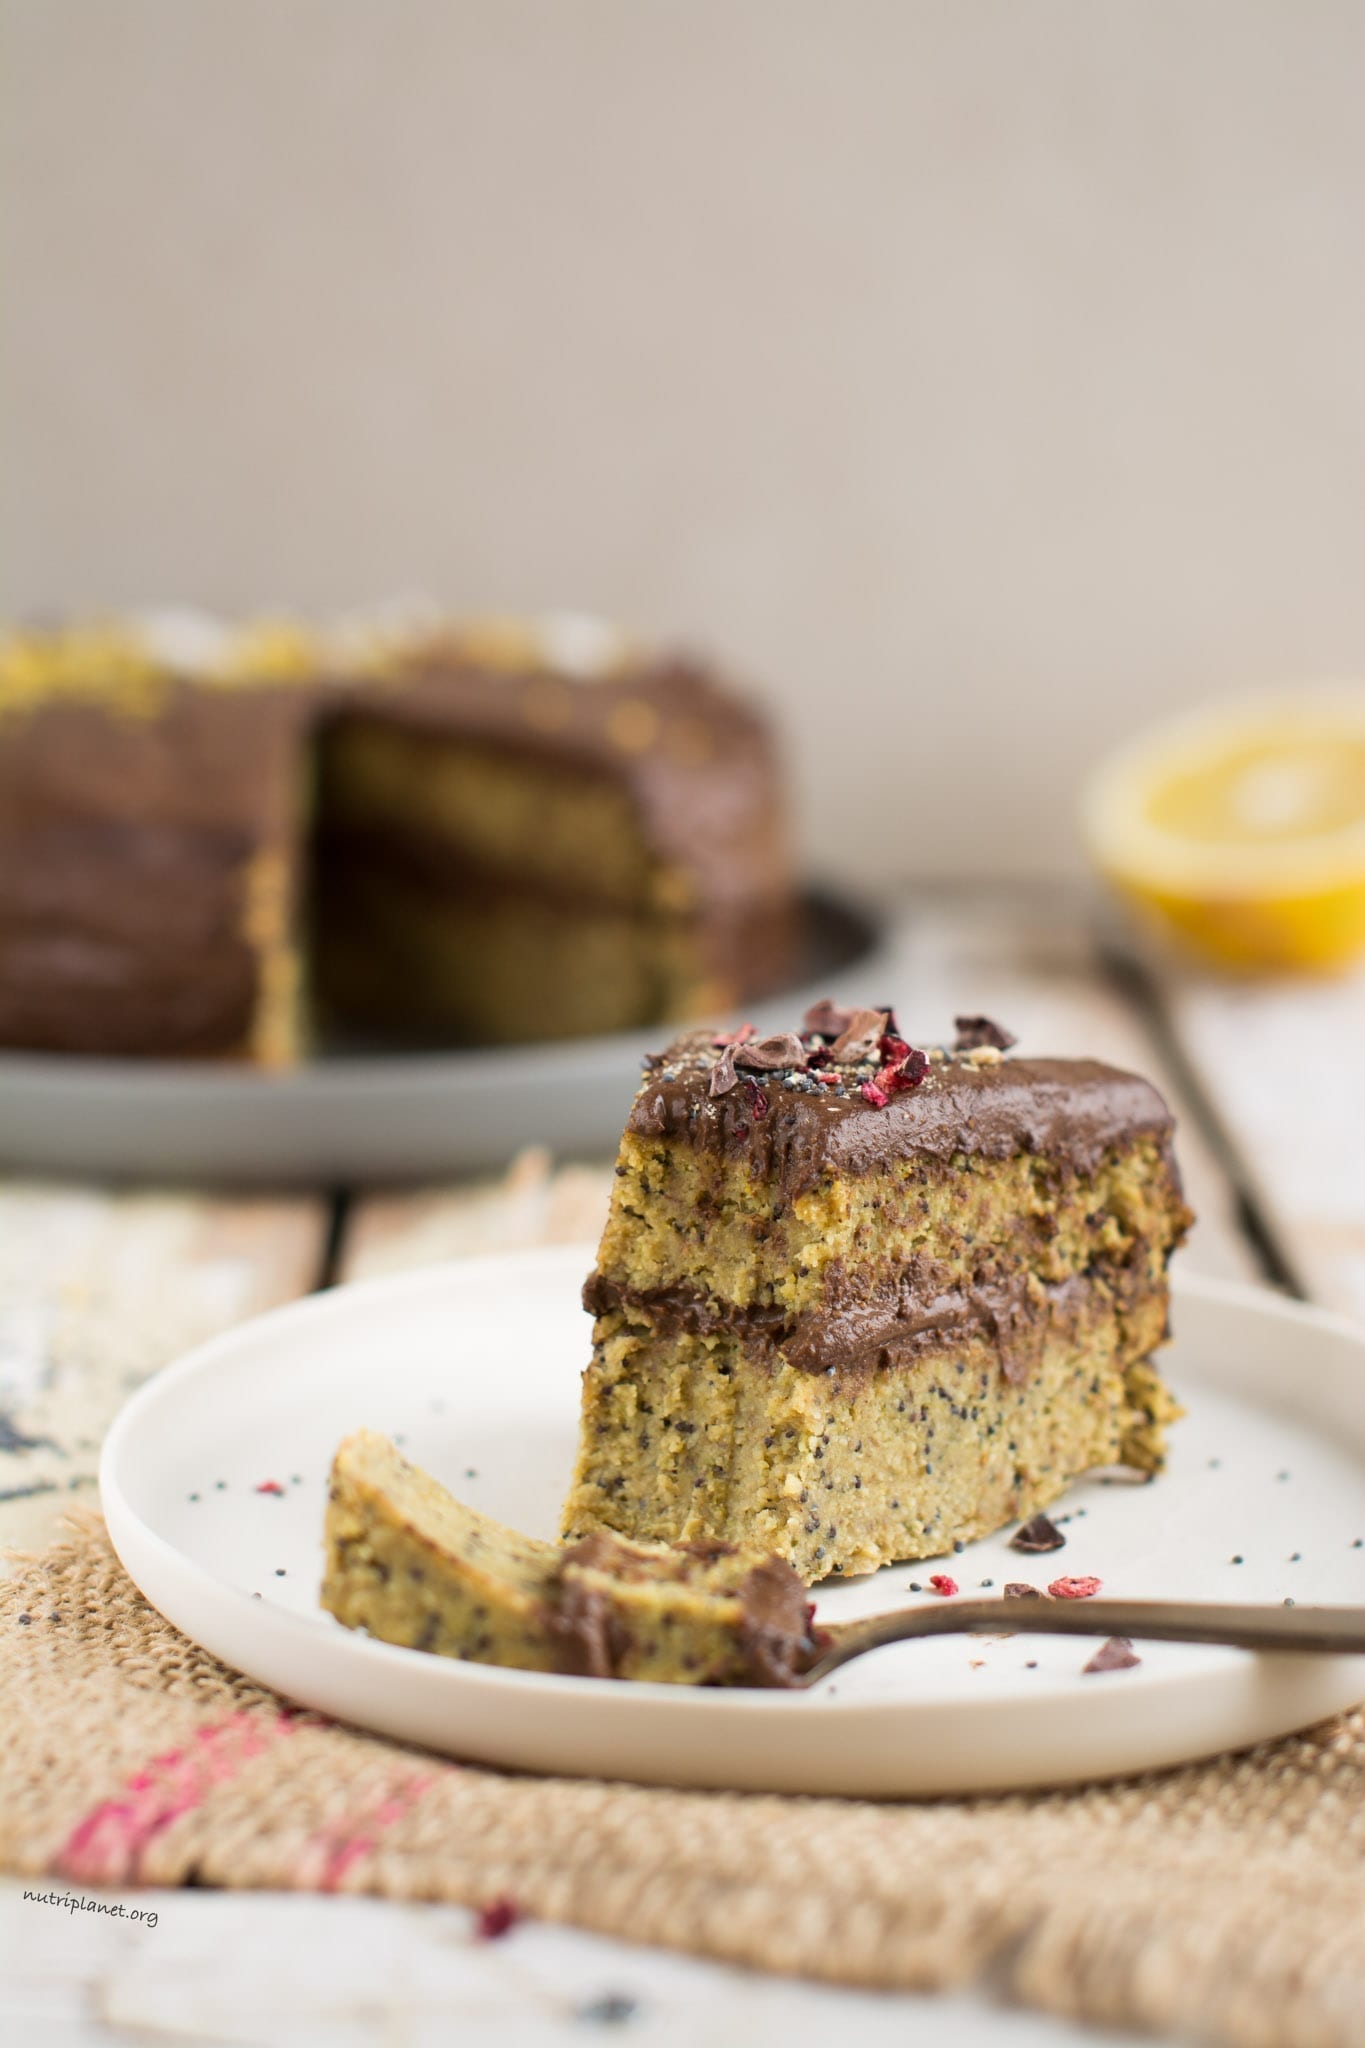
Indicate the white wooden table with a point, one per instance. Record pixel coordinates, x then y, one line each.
99 1287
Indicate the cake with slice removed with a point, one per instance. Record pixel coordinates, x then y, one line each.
410 1564
222 841
857 1302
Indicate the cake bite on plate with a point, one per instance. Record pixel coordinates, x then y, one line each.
410 1564
858 1301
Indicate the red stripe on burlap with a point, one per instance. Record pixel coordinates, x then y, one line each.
108 1845
332 1852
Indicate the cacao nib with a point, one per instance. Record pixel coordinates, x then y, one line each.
1117 1654
859 1038
826 1019
766 1055
723 1075
977 1031
1039 1534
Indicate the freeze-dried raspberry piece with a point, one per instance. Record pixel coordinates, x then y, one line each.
1039 1534
905 1073
496 1919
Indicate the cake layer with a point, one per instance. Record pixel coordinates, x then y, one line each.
708 1223
491 811
412 1565
687 1434
402 937
481 965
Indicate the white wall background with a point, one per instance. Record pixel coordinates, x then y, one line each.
980 377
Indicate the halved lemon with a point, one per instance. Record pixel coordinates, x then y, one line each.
1241 828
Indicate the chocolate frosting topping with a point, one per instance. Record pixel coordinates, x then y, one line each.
1070 1111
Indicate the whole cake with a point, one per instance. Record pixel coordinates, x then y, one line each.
858 1302
211 837
410 1564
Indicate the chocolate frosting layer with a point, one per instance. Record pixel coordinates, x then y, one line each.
1069 1111
897 1327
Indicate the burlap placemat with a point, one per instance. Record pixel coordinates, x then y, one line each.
1225 1901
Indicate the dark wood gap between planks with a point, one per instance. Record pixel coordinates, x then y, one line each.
1143 992
339 1205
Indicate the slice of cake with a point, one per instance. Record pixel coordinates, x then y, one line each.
410 1564
856 1302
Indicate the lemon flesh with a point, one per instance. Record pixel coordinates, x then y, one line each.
1242 831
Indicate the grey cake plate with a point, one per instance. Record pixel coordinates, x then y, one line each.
375 1115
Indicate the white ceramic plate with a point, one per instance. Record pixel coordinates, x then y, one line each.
372 1115
475 1366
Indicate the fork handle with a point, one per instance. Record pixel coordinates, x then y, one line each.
1241 1626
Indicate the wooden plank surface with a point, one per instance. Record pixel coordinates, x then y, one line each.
1283 1068
98 1289
534 1202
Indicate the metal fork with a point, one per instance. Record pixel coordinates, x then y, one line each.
1241 1626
